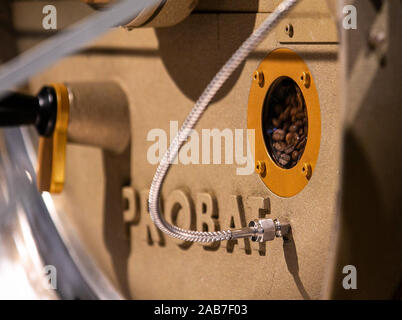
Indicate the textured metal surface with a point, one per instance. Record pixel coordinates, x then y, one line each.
99 115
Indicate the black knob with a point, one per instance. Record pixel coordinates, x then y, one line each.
18 109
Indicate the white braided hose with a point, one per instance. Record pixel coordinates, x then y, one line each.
192 119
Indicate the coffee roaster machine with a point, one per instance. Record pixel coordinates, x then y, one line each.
300 145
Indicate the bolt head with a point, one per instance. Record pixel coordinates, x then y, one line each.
258 76
307 170
289 30
260 167
306 79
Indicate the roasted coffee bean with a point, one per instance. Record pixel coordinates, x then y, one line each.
293 128
278 135
301 143
291 138
287 112
299 123
276 123
280 146
289 125
300 115
283 162
284 159
289 150
286 126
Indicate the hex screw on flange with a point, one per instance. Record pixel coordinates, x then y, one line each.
289 30
307 170
260 167
259 77
306 79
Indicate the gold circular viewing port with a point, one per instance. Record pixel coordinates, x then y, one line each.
282 180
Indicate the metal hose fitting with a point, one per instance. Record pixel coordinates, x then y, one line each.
261 230
192 119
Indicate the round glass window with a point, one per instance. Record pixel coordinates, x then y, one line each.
285 122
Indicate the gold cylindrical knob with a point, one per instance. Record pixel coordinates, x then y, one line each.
99 115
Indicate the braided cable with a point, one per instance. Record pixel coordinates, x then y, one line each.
192 119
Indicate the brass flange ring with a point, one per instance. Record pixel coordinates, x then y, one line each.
278 64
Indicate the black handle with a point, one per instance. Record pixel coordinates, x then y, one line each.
17 109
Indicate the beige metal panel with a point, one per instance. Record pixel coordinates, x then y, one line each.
163 71
249 6
311 21
236 5
28 16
